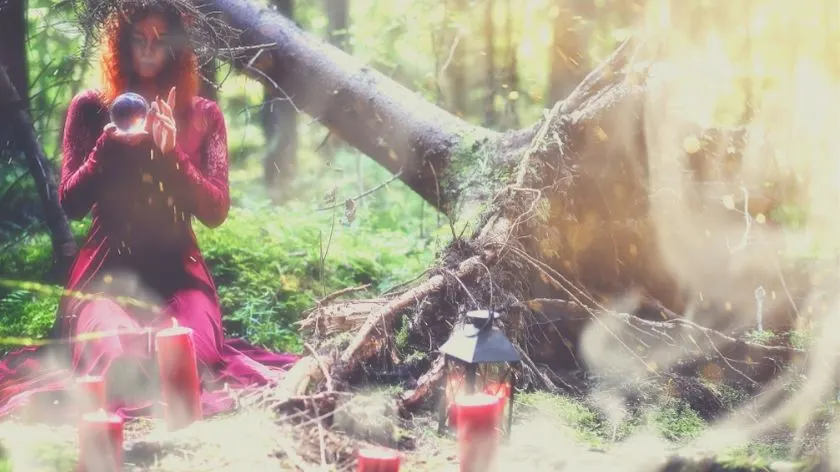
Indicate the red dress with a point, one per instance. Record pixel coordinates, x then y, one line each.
140 253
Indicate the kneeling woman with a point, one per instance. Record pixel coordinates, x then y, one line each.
142 187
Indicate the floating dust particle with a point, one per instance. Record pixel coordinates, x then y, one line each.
691 144
600 133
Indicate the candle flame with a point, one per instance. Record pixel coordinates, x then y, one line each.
174 322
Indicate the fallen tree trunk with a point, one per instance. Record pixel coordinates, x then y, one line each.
567 214
428 146
16 120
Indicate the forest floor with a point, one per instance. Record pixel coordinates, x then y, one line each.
551 433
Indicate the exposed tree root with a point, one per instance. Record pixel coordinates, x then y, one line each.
506 265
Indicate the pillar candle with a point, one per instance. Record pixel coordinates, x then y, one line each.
377 459
180 385
100 442
90 393
478 430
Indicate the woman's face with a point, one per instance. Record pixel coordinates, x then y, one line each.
149 50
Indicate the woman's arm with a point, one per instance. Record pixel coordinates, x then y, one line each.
83 145
207 187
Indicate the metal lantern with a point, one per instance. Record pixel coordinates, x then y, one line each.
485 356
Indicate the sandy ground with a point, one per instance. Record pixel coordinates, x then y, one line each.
253 439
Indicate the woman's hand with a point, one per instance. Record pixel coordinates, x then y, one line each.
130 137
163 127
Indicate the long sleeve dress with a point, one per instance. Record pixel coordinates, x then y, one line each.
139 269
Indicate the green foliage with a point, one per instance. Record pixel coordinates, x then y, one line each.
23 313
589 425
268 264
764 336
672 419
677 421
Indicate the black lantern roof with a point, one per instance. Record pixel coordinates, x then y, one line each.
479 342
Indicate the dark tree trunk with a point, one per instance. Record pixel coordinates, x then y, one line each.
338 34
568 59
279 118
16 119
338 23
456 72
490 66
511 69
13 46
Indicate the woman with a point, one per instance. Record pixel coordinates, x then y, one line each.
142 188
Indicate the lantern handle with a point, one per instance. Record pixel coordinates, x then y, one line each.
488 322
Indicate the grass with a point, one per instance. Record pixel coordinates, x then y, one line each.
672 423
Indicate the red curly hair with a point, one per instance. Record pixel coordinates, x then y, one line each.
182 72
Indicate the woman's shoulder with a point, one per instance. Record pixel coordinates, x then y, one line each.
206 114
87 98
205 105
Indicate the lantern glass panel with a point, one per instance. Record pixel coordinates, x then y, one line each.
493 379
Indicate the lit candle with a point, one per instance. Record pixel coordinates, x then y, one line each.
90 392
180 386
478 430
100 442
377 459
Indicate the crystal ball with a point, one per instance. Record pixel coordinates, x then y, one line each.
129 111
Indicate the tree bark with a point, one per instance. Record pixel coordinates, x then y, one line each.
279 118
13 47
456 47
568 59
338 22
14 117
391 124
490 66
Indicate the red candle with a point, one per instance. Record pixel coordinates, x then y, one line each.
377 459
100 442
478 430
180 386
91 393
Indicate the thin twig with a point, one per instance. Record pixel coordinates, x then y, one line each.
339 293
321 442
363 194
324 370
449 272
